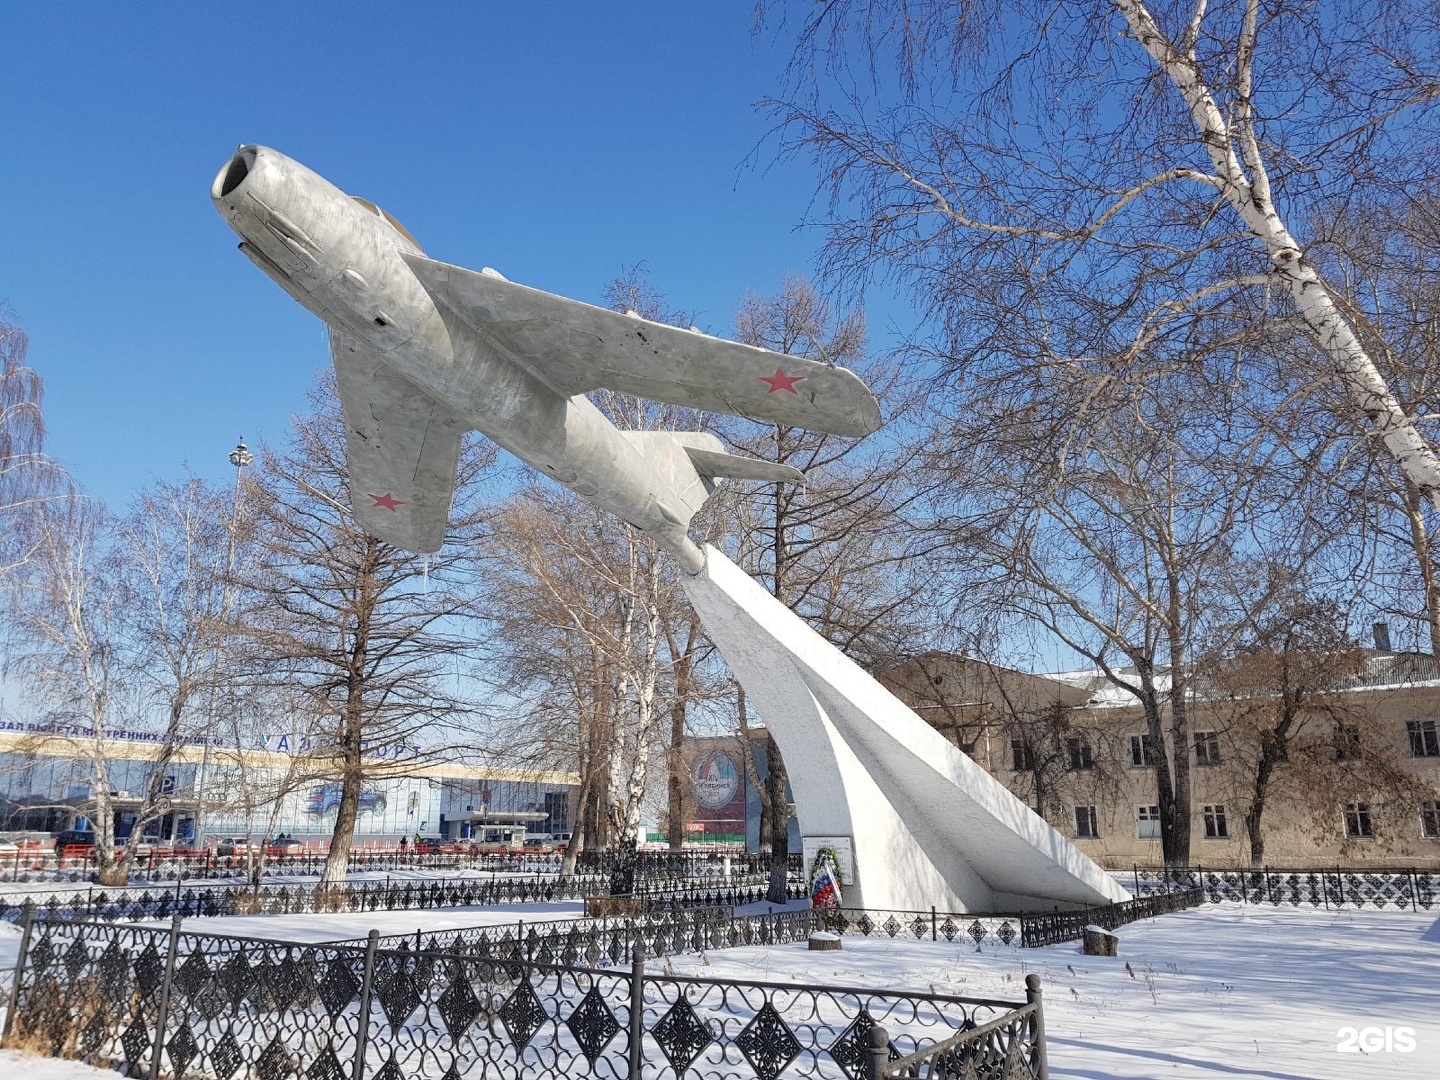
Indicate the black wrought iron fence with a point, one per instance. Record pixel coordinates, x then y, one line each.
46 865
149 904
932 924
1061 926
1008 1046
28 866
1400 888
587 942
685 864
153 1001
594 942
200 901
1028 930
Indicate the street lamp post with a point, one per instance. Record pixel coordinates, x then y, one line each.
241 458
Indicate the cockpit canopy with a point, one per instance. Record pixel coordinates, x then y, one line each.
386 217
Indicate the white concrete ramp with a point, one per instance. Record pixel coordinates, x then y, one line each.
926 825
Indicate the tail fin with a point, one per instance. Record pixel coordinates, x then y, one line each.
691 475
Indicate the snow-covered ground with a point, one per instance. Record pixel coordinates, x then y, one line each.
1222 991
15 1064
1219 991
344 926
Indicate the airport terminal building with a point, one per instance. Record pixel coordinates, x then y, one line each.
47 773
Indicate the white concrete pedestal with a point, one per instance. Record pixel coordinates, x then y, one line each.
928 826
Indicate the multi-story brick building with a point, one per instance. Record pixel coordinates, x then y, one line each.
1357 782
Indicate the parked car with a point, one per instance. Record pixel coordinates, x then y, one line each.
83 838
236 845
285 845
427 845
536 845
326 797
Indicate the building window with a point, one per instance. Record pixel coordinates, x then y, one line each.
1081 756
1358 825
1147 822
1216 826
1142 752
1347 742
1023 756
1430 820
1207 748
1424 739
1087 826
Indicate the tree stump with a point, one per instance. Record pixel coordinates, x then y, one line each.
1100 942
822 941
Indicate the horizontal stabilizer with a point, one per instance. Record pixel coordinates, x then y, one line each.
717 463
575 348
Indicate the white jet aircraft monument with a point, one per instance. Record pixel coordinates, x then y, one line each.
425 352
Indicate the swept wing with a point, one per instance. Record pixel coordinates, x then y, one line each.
575 348
401 447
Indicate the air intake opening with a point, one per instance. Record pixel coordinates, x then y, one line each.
235 173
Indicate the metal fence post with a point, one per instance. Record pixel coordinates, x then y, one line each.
637 1009
165 986
1040 1059
933 935
878 1055
28 919
367 991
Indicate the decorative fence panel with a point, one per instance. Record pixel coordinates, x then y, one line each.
160 865
79 864
1403 888
154 1001
113 905
1008 1047
1062 926
932 924
594 942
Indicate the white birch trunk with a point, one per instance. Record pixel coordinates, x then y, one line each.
648 677
1241 175
620 733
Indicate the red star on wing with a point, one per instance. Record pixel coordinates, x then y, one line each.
781 381
388 501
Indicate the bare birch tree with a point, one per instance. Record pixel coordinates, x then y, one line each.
371 633
25 473
177 549
69 612
1107 513
1174 150
599 644
1384 257
838 550
686 646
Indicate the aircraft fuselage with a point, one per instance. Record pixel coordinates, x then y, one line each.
342 259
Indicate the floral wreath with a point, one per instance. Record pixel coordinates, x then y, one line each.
823 854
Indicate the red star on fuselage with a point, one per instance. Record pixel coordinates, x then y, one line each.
781 381
388 501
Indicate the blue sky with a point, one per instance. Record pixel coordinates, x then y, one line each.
555 142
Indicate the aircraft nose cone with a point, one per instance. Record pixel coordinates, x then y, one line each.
230 181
